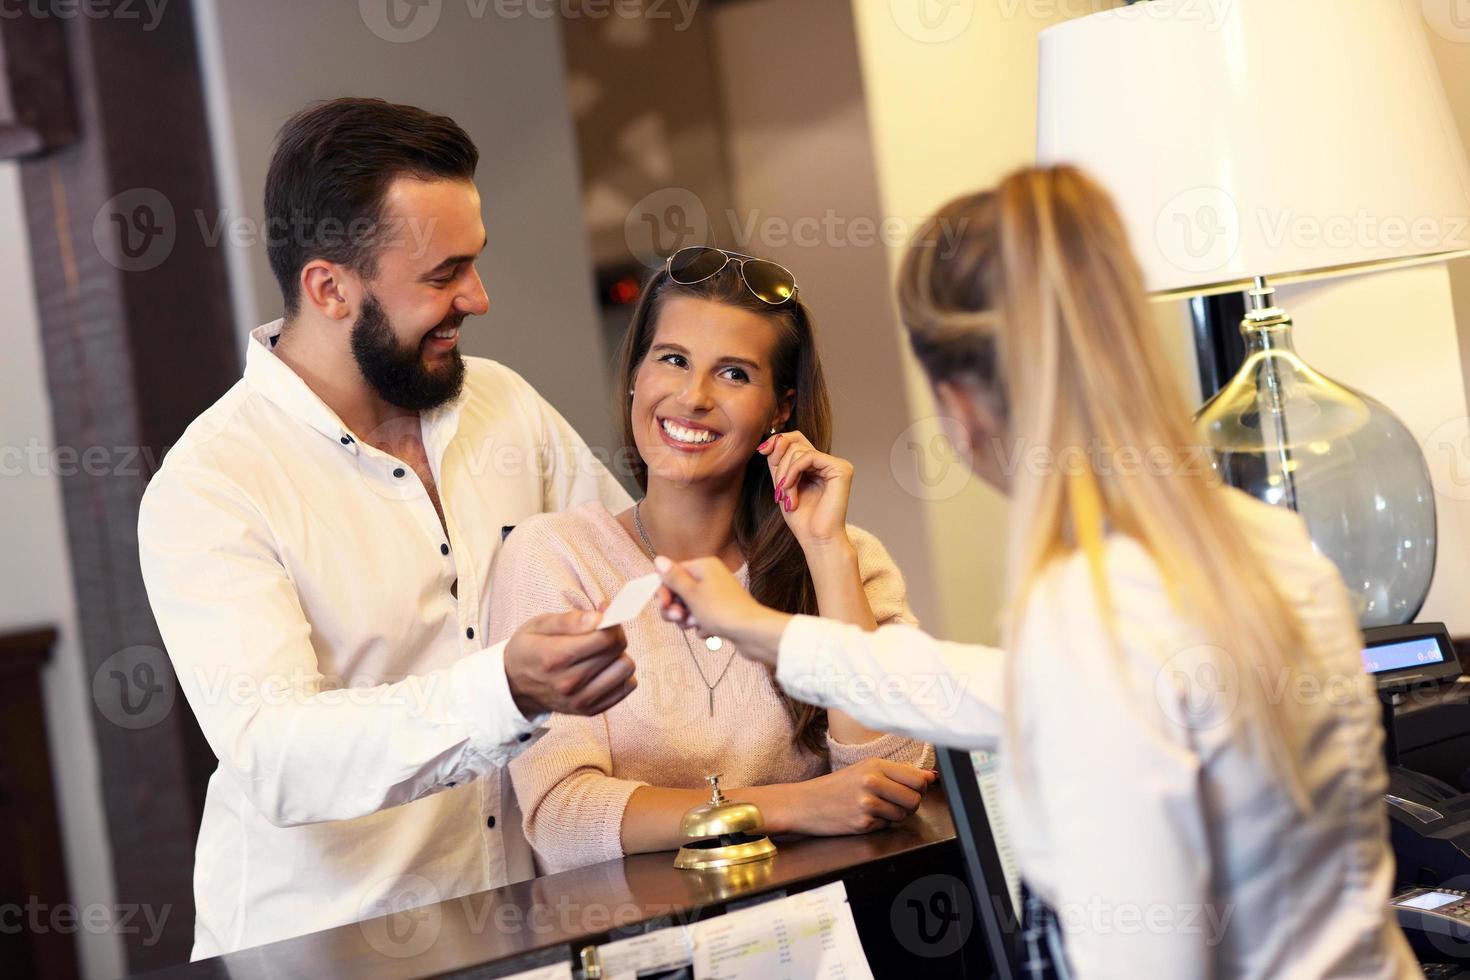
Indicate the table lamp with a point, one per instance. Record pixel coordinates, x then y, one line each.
1262 141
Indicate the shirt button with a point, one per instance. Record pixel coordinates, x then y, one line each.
444 549
523 737
346 440
398 472
470 632
450 784
490 822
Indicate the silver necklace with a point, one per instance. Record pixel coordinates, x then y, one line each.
714 643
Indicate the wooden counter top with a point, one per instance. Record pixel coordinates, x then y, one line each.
469 935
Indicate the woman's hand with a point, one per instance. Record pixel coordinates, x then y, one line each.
812 488
706 596
857 799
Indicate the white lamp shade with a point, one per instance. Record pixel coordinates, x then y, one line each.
1286 138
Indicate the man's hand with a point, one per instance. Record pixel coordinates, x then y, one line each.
561 662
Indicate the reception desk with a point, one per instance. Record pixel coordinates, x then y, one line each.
906 888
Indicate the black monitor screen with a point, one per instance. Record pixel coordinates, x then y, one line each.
971 783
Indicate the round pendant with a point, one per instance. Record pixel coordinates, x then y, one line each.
714 644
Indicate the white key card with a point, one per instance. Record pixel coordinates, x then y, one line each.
630 600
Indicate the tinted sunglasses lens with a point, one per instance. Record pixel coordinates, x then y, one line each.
695 264
769 281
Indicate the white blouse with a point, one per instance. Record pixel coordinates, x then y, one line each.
1137 795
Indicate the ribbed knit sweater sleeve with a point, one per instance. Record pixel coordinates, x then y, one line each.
571 804
888 598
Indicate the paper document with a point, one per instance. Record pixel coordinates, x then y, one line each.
630 600
808 935
653 954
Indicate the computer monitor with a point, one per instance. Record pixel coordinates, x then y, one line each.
971 783
1403 656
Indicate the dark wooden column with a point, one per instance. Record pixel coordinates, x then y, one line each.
137 338
32 868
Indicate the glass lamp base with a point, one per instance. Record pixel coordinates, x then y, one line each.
1288 435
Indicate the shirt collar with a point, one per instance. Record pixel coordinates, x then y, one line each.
269 375
273 378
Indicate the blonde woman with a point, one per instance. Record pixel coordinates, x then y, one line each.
1175 815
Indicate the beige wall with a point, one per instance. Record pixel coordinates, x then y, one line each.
952 107
1450 42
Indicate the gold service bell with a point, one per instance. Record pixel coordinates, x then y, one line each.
722 833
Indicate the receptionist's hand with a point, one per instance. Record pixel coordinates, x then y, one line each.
812 489
706 596
857 799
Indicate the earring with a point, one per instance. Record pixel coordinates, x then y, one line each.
773 430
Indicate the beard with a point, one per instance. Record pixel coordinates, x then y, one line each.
398 374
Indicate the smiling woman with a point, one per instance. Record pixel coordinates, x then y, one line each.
726 407
702 376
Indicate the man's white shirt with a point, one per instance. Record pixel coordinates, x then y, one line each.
301 581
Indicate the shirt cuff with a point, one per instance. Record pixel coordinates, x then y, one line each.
482 702
804 668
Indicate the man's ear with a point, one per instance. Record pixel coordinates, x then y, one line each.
326 286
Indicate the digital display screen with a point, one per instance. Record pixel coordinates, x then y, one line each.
1430 900
1403 655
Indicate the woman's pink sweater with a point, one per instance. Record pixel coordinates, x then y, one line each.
573 785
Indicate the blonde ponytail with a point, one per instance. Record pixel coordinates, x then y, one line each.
1035 299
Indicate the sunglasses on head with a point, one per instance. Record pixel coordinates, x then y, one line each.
770 283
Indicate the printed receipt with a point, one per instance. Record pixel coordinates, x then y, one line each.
809 934
657 953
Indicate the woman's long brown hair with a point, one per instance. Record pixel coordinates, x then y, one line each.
779 576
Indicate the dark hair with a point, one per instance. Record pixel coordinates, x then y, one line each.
331 170
779 576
